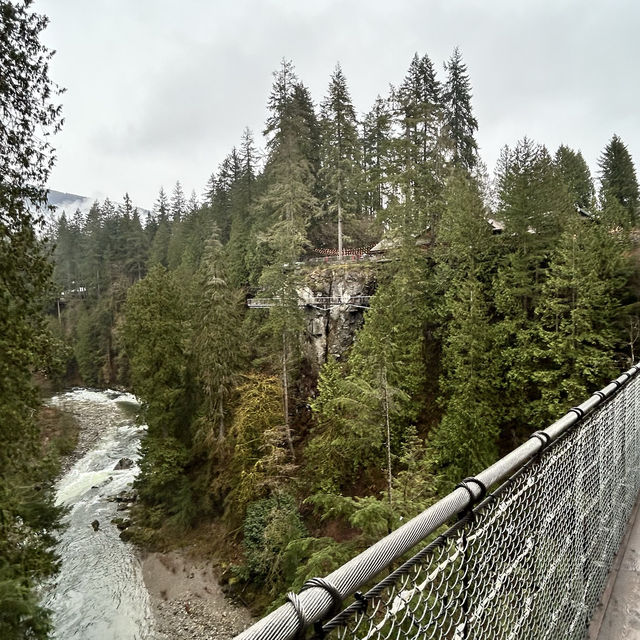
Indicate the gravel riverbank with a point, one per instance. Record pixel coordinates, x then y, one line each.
187 600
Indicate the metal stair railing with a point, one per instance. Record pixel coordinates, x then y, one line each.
528 559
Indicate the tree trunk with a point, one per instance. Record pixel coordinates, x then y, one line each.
285 396
221 413
385 390
339 232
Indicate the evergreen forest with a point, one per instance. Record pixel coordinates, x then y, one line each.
498 301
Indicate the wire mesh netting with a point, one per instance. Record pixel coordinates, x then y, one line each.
529 562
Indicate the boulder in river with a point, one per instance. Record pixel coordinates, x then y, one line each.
122 523
96 525
123 463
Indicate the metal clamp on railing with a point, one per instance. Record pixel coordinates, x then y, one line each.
543 437
303 621
473 498
578 411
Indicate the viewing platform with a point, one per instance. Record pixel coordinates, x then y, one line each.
323 303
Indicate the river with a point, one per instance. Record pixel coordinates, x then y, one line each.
99 593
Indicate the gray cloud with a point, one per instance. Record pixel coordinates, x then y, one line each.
159 91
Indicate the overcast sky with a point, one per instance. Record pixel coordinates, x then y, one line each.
160 90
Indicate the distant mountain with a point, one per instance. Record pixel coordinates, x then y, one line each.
69 202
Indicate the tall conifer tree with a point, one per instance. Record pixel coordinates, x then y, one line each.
340 172
576 176
29 117
460 122
618 177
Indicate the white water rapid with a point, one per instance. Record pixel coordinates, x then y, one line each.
99 593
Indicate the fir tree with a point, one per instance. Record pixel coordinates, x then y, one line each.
242 201
28 518
340 153
155 338
534 205
460 122
418 151
178 205
377 147
218 340
161 206
466 439
618 177
578 313
576 176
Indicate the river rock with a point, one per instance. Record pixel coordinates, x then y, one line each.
96 525
122 523
123 463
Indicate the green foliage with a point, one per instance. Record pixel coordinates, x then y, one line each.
260 463
28 518
461 125
618 178
577 317
340 173
576 176
162 481
472 339
155 340
269 527
218 340
465 441
315 557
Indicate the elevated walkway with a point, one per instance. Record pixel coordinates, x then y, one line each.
617 616
323 303
528 552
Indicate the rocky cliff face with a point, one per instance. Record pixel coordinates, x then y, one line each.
331 327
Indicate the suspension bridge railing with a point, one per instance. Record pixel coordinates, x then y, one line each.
528 557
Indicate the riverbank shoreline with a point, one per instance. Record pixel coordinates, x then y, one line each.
186 598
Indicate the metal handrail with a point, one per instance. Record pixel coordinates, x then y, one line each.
314 604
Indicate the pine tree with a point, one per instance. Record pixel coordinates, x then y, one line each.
161 206
178 205
576 176
578 313
305 121
28 517
218 339
159 244
210 190
377 147
279 104
229 173
418 151
460 122
466 439
287 206
534 205
137 248
340 171
193 205
618 177
155 338
242 202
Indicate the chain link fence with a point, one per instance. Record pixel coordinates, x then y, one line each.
528 560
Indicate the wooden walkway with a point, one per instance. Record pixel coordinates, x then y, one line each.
617 617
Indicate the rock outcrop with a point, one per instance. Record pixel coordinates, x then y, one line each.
331 329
